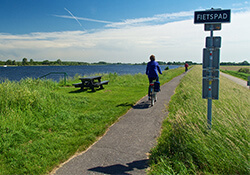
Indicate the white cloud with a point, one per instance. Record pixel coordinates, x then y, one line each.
175 41
152 20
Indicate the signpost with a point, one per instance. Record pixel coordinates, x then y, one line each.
212 20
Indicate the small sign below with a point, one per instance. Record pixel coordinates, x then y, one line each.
217 26
212 16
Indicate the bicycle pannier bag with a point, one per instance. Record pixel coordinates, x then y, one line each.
157 86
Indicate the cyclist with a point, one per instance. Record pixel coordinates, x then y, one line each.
152 71
186 67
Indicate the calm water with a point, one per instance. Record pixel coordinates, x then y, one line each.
20 72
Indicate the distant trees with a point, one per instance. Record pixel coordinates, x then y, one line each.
244 63
59 62
31 62
8 62
25 62
46 62
162 62
181 63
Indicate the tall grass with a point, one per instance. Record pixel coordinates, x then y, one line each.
186 146
43 124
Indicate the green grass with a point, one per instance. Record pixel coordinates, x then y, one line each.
44 124
241 72
186 146
240 75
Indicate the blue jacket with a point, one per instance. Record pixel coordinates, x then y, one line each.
152 68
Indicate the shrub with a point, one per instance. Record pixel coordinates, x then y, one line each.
166 68
244 70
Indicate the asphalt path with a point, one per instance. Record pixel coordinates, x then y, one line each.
235 79
125 146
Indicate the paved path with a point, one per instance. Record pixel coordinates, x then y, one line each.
235 79
123 149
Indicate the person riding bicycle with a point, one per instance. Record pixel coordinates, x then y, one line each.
186 67
152 71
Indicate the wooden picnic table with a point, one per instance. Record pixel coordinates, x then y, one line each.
91 82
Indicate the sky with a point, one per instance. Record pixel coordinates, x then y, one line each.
126 31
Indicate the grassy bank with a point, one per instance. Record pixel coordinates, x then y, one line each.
43 124
187 147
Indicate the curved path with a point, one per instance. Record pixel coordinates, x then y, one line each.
125 146
235 79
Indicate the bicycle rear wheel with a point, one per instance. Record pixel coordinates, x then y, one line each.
155 97
152 98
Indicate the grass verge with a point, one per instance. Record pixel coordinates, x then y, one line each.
237 74
187 147
235 71
43 124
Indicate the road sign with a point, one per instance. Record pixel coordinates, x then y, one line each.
216 42
214 88
248 82
215 73
212 20
215 61
208 27
212 16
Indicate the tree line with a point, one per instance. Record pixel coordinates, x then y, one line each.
31 62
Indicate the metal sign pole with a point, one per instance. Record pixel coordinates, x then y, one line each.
209 100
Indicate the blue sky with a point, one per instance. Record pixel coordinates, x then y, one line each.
117 30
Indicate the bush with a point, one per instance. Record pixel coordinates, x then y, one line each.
244 70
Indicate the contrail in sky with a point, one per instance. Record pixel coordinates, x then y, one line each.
75 18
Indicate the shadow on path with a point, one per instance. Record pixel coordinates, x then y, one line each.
142 105
121 169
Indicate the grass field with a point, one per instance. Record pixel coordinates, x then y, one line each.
186 146
43 124
233 68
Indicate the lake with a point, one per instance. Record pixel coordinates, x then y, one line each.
17 73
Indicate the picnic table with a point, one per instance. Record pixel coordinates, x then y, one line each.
91 82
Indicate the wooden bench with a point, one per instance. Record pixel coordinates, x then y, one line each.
101 83
77 84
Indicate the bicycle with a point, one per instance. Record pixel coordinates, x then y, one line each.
154 88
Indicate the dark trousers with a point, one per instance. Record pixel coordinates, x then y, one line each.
150 79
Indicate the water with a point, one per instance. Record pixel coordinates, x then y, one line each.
21 72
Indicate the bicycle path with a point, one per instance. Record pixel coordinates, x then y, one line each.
125 146
235 79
